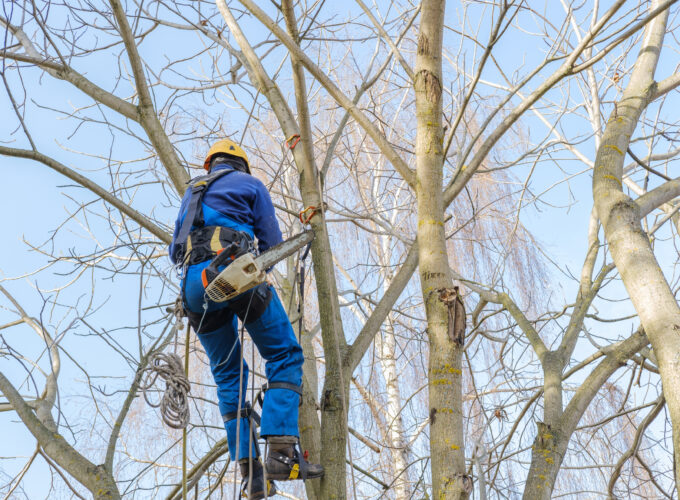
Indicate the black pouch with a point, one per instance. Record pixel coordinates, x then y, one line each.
250 305
211 322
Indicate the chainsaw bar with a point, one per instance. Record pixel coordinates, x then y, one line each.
247 271
285 249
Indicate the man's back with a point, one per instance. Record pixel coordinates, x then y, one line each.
238 201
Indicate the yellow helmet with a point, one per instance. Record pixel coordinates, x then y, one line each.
227 147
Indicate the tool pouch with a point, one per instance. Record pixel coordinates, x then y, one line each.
251 305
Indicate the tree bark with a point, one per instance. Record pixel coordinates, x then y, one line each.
628 243
447 446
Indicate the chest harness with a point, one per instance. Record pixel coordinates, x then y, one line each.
206 242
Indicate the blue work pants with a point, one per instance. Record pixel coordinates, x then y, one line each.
273 335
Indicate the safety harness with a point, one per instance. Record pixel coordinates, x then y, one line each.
206 242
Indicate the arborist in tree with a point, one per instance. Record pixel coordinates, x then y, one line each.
224 211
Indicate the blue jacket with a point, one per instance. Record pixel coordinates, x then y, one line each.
239 201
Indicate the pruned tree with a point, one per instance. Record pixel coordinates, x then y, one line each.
418 153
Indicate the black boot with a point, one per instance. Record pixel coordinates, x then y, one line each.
256 484
285 462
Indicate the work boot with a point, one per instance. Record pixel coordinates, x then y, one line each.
256 485
285 462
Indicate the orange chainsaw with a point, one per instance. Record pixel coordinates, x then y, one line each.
245 270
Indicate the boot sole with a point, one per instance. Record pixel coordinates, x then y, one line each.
259 495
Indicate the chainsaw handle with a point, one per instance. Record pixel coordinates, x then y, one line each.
211 272
225 257
222 258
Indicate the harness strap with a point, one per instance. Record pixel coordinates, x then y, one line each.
254 419
194 214
277 385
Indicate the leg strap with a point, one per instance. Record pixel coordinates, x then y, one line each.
254 420
246 412
282 385
277 385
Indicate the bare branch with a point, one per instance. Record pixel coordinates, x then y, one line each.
95 188
337 94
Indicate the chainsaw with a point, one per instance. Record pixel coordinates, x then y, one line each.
245 270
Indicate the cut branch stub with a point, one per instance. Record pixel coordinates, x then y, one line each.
456 309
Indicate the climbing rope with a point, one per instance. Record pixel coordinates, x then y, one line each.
174 404
301 290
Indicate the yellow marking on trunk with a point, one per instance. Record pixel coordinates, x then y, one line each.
613 178
614 147
441 381
430 221
447 369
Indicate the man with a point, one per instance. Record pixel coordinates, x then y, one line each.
225 210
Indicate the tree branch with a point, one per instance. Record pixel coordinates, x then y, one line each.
68 74
647 167
617 356
95 188
378 137
658 196
93 477
665 86
660 402
388 40
147 113
375 321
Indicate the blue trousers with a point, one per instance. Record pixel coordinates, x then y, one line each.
273 335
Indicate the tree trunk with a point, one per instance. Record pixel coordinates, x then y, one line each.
310 428
385 344
336 385
447 445
550 445
628 243
545 457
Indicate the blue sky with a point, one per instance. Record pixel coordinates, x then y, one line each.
36 199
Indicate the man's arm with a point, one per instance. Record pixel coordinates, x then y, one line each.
266 227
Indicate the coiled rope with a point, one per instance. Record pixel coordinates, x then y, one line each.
174 404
